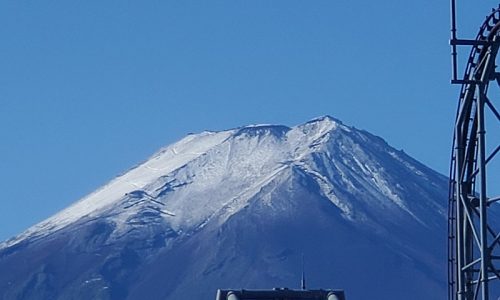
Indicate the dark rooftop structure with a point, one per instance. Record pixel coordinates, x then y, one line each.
280 294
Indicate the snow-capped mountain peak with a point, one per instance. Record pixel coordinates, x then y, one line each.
235 207
174 182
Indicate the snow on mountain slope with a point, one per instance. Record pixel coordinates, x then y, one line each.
190 205
165 161
242 160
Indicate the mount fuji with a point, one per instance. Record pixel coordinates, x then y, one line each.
239 209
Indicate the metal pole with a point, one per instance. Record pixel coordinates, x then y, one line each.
482 196
453 38
459 219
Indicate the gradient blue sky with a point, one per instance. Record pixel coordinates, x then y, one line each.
90 88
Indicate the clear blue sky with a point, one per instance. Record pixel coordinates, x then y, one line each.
90 88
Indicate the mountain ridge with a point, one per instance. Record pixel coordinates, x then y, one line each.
217 202
224 134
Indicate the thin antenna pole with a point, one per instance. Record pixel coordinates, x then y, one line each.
303 281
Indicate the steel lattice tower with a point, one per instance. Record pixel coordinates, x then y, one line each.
474 240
